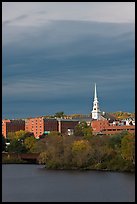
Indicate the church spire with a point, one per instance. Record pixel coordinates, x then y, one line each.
95 93
96 114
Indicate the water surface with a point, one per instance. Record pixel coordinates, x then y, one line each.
30 183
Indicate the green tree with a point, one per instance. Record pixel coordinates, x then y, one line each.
115 141
29 143
88 133
83 130
16 146
43 158
67 150
40 145
59 114
128 147
21 134
102 154
81 152
53 147
79 129
3 143
11 135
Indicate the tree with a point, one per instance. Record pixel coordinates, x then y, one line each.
78 130
81 152
54 150
40 145
102 154
88 133
128 147
16 146
59 114
11 135
43 158
3 143
115 141
21 134
67 150
29 143
83 130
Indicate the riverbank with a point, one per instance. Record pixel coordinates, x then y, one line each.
92 169
19 161
14 158
34 159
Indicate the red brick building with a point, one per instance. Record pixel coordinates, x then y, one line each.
50 125
41 125
65 125
12 126
35 125
104 127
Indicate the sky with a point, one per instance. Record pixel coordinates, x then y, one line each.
54 52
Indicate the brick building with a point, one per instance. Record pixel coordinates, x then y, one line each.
104 127
12 126
41 125
99 125
67 126
50 125
35 125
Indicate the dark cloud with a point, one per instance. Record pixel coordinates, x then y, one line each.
57 66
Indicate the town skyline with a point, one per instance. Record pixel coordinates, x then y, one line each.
52 57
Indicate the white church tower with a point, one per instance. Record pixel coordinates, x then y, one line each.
96 113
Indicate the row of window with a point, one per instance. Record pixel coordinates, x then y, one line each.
35 129
37 133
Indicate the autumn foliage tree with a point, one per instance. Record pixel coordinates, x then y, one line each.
128 147
99 152
81 152
3 143
21 134
29 143
83 130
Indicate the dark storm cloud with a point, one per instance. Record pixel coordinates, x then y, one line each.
57 65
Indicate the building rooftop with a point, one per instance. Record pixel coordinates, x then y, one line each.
67 120
108 116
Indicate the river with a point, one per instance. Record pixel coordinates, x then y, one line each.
33 183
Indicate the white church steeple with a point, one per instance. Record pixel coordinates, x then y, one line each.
96 113
95 93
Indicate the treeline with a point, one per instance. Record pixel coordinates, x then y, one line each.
106 152
83 150
123 115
